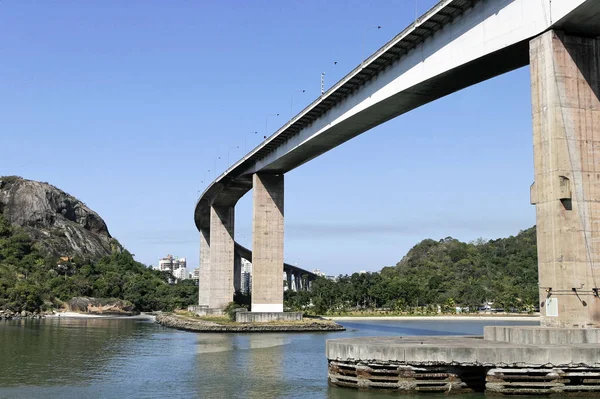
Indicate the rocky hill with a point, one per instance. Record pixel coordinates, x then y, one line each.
58 223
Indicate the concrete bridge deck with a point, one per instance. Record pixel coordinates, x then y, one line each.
455 44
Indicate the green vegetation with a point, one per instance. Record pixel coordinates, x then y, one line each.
232 308
446 273
29 281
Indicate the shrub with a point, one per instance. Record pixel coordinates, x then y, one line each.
231 309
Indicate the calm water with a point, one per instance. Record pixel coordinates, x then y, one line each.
100 358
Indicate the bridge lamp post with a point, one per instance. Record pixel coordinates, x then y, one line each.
267 121
292 101
363 40
216 166
246 140
229 152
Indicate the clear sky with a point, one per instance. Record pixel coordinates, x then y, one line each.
128 105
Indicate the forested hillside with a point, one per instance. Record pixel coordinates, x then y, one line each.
447 272
31 281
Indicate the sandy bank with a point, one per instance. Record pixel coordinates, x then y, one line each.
75 315
440 318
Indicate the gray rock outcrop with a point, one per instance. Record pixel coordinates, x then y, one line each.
101 306
58 223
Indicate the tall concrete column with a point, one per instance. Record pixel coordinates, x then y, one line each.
288 277
267 243
237 273
204 277
221 256
565 89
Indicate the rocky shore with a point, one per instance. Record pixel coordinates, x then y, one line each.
198 325
10 315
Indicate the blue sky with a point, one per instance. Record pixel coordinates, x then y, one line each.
128 105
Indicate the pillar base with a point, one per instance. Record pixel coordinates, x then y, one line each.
267 307
204 310
263 317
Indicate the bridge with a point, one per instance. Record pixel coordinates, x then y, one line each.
456 44
297 279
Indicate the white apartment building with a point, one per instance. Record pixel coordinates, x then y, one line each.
195 275
318 272
246 278
175 265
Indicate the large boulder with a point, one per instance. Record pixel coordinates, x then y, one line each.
58 223
101 306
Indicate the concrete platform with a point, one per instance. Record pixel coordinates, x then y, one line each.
461 364
202 310
536 335
467 351
264 317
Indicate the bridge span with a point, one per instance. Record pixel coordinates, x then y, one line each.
297 279
456 44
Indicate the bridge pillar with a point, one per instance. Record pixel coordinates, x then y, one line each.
221 256
565 90
204 277
267 242
288 277
237 273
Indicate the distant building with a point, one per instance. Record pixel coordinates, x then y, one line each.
318 273
166 263
180 274
246 278
195 275
175 265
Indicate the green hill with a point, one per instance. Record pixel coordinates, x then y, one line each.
53 248
32 281
447 273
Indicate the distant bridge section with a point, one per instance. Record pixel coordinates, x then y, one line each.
297 278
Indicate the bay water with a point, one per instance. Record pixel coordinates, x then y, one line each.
118 358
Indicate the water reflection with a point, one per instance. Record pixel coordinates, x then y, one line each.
241 363
208 343
58 350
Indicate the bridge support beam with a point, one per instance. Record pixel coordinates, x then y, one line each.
204 277
565 90
222 220
299 282
267 243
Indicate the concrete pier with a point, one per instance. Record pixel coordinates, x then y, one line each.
267 243
221 256
288 279
237 273
204 277
455 364
565 90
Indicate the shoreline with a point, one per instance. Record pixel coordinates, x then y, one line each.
440 318
76 315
